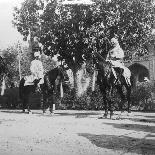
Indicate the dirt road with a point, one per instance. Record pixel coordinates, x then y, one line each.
76 133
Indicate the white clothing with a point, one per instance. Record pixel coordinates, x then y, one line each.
37 54
114 41
126 71
116 52
37 71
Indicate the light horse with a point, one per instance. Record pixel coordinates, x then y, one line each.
48 90
108 83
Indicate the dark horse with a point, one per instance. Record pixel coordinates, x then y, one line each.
108 83
48 89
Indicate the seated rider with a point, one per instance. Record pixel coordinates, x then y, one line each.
116 56
37 71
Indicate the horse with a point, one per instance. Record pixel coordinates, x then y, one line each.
108 83
48 89
53 82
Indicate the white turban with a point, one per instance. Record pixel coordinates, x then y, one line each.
114 41
37 54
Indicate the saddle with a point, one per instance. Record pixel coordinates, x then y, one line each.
29 80
119 70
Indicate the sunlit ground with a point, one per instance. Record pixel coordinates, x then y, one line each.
76 133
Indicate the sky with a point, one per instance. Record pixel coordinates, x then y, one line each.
8 34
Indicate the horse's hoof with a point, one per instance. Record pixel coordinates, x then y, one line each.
114 117
100 117
29 112
103 117
48 113
130 114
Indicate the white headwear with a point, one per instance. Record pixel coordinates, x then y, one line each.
114 41
37 54
146 79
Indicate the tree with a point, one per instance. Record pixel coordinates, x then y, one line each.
27 20
63 29
74 31
11 57
130 21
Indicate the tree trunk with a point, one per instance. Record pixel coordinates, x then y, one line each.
75 88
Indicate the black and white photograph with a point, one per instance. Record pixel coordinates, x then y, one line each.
77 77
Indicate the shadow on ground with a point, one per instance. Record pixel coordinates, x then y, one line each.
135 127
122 143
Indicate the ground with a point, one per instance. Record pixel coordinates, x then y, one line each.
76 133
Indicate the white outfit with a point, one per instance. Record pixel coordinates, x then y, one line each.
115 56
37 71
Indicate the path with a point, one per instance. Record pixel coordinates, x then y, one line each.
75 133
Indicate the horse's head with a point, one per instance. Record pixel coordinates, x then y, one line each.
102 65
36 82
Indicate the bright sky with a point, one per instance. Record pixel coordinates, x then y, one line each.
8 34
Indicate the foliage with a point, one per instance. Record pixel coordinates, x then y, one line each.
63 29
142 95
26 18
11 56
74 30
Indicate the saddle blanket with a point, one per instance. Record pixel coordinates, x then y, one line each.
29 80
126 72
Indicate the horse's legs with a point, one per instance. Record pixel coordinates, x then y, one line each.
120 91
42 101
129 98
43 98
111 102
24 104
52 103
28 104
106 108
103 91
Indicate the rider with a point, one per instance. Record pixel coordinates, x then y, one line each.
36 68
116 56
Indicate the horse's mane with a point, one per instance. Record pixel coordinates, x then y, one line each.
101 61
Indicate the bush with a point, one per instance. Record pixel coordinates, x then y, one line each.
88 101
142 96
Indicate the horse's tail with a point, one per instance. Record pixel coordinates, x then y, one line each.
21 87
132 80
